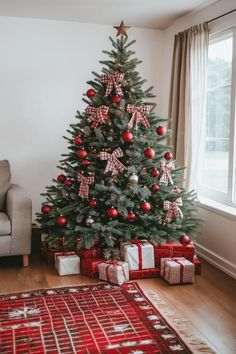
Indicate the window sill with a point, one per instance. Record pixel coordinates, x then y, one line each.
217 207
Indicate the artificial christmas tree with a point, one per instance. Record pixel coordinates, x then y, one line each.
119 181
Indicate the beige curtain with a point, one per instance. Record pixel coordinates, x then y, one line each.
187 97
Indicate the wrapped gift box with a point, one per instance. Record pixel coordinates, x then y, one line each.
173 250
198 266
139 255
115 271
49 253
84 253
66 265
144 273
89 266
177 270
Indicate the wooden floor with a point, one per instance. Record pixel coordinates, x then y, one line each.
209 304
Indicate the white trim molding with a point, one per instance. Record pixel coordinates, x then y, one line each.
216 260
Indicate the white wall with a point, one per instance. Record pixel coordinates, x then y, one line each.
44 66
217 242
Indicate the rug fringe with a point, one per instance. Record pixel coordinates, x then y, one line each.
182 326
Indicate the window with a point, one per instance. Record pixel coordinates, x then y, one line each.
217 171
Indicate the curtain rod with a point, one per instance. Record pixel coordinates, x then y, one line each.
216 18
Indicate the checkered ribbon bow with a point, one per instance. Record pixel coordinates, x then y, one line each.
84 185
97 115
166 168
113 164
173 209
138 115
113 80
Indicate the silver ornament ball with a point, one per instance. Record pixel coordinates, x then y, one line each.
89 221
133 178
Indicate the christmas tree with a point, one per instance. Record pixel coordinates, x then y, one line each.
119 180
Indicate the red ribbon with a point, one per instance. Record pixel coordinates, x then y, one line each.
115 263
138 243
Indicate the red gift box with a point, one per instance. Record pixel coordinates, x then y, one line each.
89 266
166 250
144 273
198 266
84 253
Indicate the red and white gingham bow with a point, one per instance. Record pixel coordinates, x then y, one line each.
84 185
113 80
113 163
97 115
166 175
173 209
138 115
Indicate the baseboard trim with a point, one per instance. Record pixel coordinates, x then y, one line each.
216 260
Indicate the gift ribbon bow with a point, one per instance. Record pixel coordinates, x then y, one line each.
173 209
166 168
113 80
97 115
139 244
84 185
117 264
113 164
138 115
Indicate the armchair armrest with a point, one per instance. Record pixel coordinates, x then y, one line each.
19 210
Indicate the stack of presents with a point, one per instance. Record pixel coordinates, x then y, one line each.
174 262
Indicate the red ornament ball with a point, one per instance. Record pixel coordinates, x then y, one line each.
116 99
92 203
161 130
45 209
82 153
149 153
185 240
155 172
78 140
68 182
61 220
127 136
86 162
145 207
90 93
61 178
112 212
168 155
62 241
131 216
155 187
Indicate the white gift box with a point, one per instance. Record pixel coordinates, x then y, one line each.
177 270
139 255
66 265
116 272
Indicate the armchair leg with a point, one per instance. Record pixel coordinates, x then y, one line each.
25 260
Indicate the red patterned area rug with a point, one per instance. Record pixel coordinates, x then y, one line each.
92 319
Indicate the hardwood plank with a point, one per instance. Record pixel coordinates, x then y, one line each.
209 304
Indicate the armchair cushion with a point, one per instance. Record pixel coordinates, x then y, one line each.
5 177
5 225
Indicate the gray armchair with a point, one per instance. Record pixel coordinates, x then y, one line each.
15 217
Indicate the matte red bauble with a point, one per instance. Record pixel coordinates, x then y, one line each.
161 130
45 209
145 207
112 212
149 153
116 99
61 220
92 203
78 140
62 241
168 155
61 178
155 172
82 153
185 240
86 162
131 216
127 136
155 187
90 93
68 182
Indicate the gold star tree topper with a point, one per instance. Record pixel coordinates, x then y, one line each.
122 29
